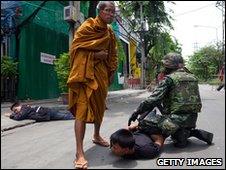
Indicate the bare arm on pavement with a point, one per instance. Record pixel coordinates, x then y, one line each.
7 114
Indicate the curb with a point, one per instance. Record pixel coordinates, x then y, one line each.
16 126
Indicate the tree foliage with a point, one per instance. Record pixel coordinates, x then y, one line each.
154 14
157 39
8 67
62 69
163 45
206 62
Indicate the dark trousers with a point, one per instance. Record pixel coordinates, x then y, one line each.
58 115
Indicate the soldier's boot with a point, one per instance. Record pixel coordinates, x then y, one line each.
202 135
180 138
220 87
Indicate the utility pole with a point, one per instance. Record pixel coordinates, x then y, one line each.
195 46
74 25
221 6
223 36
223 27
143 62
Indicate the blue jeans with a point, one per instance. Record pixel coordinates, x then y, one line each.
58 115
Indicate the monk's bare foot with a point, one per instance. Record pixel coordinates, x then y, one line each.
100 141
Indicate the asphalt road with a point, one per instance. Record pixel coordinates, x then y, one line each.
51 145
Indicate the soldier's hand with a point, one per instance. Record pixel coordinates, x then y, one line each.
132 127
132 118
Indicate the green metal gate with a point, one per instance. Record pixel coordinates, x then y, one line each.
47 32
38 80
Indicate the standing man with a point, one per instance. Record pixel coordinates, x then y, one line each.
93 61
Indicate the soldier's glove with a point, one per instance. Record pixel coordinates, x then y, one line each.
133 117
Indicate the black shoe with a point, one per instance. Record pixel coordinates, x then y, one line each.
220 87
202 135
208 137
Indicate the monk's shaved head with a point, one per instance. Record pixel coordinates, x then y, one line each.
106 11
102 4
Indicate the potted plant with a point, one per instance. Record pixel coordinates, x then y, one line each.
62 68
9 74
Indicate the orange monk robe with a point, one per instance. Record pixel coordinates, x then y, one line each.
88 80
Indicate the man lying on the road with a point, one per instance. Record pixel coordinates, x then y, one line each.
38 113
132 143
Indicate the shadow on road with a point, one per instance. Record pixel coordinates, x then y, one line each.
123 163
194 145
101 156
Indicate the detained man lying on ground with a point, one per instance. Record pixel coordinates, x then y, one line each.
132 143
38 113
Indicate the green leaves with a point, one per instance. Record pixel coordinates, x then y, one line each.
205 63
163 45
8 67
158 41
62 67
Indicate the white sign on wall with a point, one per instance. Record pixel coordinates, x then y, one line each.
120 78
47 58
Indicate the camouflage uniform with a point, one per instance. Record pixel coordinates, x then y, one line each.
179 95
178 99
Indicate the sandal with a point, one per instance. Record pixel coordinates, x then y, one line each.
101 143
80 165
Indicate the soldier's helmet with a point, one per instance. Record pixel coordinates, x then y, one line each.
173 61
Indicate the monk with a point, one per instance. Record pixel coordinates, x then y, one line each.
93 61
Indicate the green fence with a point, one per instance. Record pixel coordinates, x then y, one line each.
38 80
47 32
